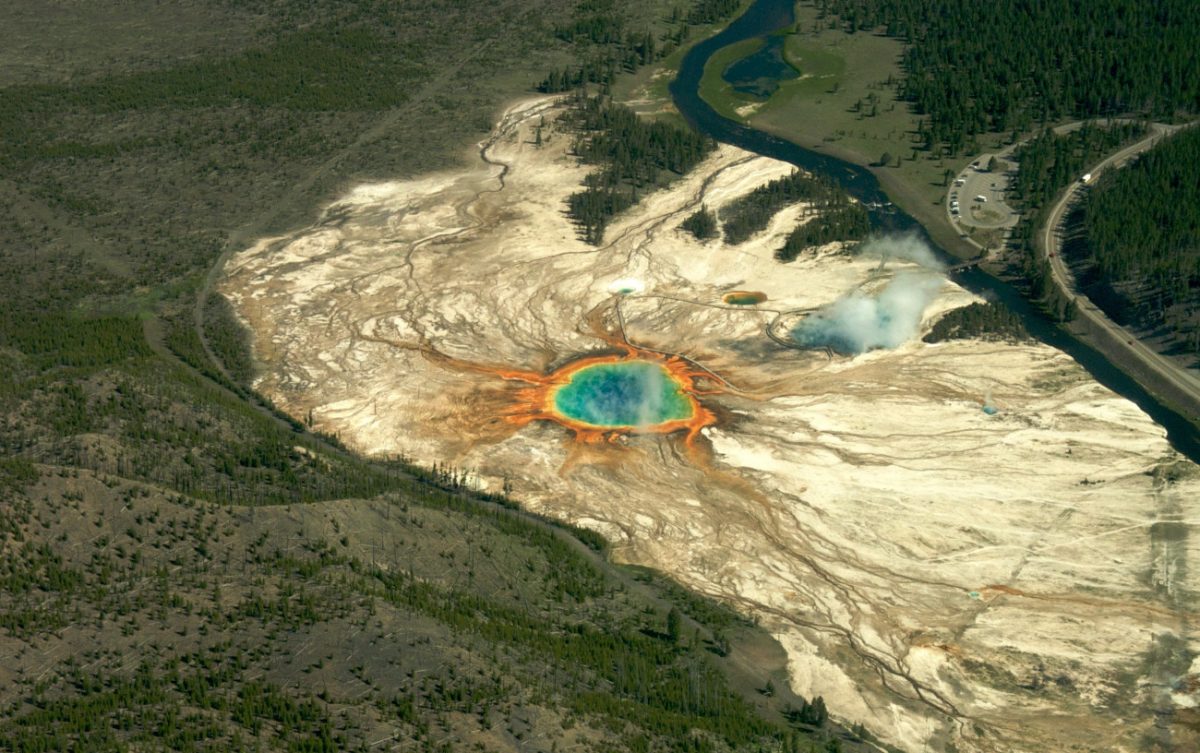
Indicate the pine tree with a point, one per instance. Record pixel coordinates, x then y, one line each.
702 224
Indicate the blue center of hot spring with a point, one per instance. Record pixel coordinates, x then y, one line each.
623 394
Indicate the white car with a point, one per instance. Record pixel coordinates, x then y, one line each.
981 199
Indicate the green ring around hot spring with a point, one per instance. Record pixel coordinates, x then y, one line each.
623 395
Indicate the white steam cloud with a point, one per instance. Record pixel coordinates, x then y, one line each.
857 322
907 247
650 397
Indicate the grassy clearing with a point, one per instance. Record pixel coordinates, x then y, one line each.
720 93
844 79
646 91
848 108
845 101
820 69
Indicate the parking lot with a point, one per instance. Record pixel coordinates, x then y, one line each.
977 196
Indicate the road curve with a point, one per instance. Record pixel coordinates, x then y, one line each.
1157 372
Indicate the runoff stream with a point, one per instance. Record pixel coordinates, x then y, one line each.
767 16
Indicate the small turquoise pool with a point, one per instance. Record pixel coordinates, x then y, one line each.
623 394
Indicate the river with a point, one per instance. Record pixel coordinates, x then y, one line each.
767 16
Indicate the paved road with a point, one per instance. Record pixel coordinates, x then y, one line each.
1123 346
975 176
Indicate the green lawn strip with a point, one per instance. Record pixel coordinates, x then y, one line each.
718 92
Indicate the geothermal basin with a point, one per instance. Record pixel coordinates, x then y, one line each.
952 580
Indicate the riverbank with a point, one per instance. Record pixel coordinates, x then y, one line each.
845 103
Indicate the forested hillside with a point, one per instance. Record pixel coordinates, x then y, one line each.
131 619
612 47
1049 162
1142 231
1004 66
609 44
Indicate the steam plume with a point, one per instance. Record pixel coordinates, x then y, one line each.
649 396
908 247
857 322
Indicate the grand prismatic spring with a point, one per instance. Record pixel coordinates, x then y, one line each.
605 396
